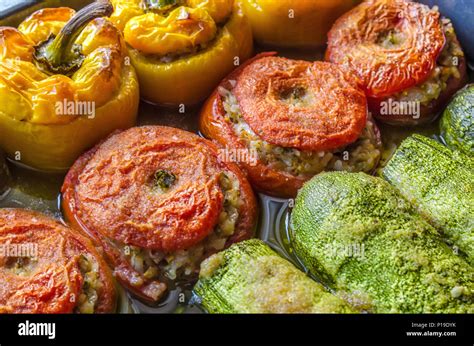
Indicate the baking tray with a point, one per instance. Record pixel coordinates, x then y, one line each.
41 191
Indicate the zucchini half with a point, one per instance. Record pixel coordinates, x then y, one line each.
249 277
457 123
401 266
440 183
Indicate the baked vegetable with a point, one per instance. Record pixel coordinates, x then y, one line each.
45 267
250 277
289 23
291 119
181 49
65 84
360 236
457 123
159 200
406 56
440 183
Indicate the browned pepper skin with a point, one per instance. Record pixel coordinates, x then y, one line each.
205 43
42 123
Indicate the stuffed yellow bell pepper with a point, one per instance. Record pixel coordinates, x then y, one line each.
64 85
294 23
181 49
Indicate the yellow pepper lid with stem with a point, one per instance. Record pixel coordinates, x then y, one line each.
181 49
65 84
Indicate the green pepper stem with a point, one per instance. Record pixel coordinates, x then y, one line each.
60 54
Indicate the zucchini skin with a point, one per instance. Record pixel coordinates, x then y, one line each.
249 277
440 183
457 123
405 267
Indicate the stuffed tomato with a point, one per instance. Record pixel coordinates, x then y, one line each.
45 267
181 49
406 56
158 200
288 120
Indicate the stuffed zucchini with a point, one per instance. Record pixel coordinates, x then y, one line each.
440 183
401 264
457 123
250 277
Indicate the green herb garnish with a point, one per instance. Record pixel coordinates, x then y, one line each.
164 179
160 5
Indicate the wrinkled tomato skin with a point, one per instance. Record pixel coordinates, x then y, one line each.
213 126
428 113
385 71
152 290
54 282
333 115
263 178
353 43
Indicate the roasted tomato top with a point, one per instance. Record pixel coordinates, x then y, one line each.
390 45
161 195
41 272
298 104
153 187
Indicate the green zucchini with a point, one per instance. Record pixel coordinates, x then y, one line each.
249 277
457 123
402 265
440 183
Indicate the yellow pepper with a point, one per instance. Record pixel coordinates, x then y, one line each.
294 23
64 85
155 34
181 49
